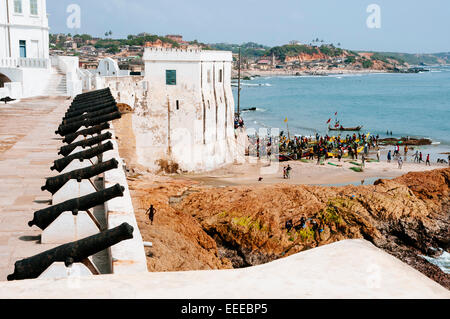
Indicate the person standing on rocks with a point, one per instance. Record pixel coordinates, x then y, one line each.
151 213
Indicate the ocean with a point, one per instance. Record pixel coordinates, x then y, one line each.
415 105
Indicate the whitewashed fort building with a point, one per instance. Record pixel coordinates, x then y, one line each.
26 70
183 108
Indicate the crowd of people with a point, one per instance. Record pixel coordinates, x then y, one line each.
354 146
418 157
299 147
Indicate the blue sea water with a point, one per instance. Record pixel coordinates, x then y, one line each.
415 105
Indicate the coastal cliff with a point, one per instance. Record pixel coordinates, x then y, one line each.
221 228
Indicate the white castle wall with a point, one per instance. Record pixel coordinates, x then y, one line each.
199 134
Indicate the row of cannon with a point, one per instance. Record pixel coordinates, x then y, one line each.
75 192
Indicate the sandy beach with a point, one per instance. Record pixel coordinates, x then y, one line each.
305 173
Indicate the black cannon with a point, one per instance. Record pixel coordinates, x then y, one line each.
54 184
66 150
62 163
44 217
7 99
90 131
92 94
90 115
75 252
89 109
91 98
73 127
90 103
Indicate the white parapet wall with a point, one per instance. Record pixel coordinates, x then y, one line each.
128 257
69 66
350 269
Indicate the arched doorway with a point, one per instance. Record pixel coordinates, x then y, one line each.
3 79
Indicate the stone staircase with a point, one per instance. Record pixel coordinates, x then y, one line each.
57 85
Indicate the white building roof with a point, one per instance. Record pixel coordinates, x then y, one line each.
189 55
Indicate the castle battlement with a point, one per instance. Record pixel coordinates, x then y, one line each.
186 55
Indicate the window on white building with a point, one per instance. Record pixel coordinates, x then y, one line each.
33 7
23 48
220 75
171 77
17 6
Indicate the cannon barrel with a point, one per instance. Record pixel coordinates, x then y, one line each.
89 109
91 102
73 127
33 267
90 131
54 184
44 217
66 150
92 94
90 115
60 164
91 98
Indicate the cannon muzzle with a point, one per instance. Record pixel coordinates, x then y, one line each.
54 184
75 252
44 217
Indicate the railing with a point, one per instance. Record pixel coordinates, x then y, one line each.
24 63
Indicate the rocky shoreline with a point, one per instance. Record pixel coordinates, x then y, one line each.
407 217
246 74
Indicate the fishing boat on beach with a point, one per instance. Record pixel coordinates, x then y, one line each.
339 127
342 129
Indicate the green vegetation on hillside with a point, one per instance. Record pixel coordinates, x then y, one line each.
414 59
133 40
282 52
367 64
331 50
249 49
385 57
256 51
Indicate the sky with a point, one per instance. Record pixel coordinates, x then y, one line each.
409 26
